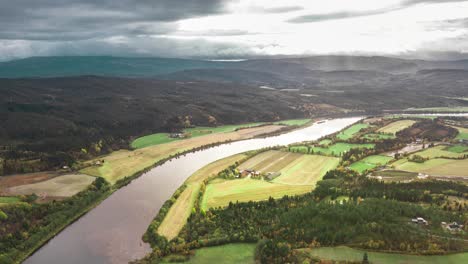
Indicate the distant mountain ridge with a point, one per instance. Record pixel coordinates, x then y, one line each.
154 67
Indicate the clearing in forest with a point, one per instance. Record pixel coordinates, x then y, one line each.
229 254
370 162
394 127
351 131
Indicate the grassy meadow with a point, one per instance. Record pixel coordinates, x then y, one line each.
457 151
336 149
5 200
220 193
351 131
462 133
460 109
306 170
394 127
437 166
225 254
370 162
378 136
343 253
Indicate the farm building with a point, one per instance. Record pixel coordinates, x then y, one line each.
452 227
247 172
419 220
177 135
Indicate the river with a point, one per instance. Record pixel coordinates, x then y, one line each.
111 232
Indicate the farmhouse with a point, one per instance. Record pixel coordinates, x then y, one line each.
177 135
419 220
247 172
452 227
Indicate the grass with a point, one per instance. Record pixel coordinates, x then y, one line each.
306 170
443 151
394 127
437 166
460 109
161 138
351 131
269 161
396 174
462 133
4 200
61 186
458 149
378 136
293 122
369 163
325 142
122 163
339 148
343 253
222 192
181 209
225 254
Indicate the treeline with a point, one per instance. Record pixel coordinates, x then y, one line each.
376 216
26 226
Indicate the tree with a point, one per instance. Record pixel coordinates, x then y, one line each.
365 259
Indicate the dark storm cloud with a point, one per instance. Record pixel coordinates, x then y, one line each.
343 15
84 19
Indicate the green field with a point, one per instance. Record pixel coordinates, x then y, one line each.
342 253
351 131
325 142
335 149
438 166
221 192
458 148
4 200
370 162
378 136
395 175
161 138
293 122
394 127
306 170
461 109
443 151
225 254
462 133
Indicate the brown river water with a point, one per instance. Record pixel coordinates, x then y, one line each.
111 232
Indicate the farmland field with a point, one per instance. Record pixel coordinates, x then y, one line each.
443 151
462 133
343 253
377 136
180 210
395 175
306 170
161 138
4 200
325 142
438 166
225 254
461 109
338 148
370 163
61 186
269 161
22 179
243 190
351 131
122 163
394 127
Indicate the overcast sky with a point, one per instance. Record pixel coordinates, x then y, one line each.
233 28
